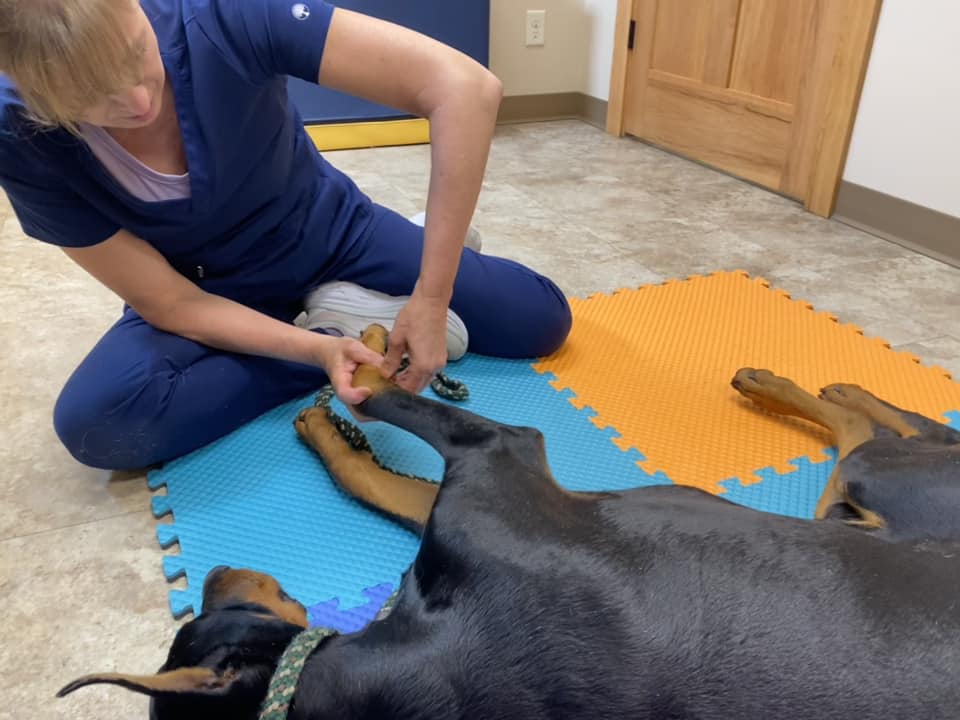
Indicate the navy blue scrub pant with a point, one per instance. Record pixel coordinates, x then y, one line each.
143 396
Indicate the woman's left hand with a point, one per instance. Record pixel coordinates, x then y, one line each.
420 331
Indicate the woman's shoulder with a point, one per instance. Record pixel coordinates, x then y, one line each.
12 112
172 14
167 18
183 23
9 97
22 141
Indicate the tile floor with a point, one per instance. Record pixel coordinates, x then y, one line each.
80 580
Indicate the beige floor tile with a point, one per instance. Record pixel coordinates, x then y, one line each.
902 300
942 352
82 599
53 314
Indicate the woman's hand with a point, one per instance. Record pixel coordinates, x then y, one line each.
341 357
420 331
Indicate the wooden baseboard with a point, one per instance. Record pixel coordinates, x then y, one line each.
927 231
553 106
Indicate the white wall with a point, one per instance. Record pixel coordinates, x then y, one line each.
906 141
577 54
602 19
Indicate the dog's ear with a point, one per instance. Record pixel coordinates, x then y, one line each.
186 681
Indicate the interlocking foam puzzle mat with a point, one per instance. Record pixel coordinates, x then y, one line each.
261 498
639 395
670 351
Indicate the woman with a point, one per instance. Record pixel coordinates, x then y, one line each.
155 143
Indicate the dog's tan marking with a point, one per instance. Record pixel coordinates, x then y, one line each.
183 680
257 588
833 493
868 518
856 398
368 376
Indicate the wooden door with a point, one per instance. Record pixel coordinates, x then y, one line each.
763 89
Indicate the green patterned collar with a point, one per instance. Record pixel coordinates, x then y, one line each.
283 684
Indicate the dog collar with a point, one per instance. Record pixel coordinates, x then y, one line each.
283 684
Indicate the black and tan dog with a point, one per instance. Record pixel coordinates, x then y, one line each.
528 601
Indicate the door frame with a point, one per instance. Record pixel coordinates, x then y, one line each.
826 111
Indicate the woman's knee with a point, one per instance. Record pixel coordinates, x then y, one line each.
76 422
519 314
111 414
563 323
156 407
89 420
555 321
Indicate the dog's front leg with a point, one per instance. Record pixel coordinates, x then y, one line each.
405 499
447 429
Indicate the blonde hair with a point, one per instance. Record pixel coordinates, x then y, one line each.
64 55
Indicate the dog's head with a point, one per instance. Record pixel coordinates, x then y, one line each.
220 663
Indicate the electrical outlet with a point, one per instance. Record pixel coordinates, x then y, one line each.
536 27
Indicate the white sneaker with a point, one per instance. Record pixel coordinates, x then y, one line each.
474 241
347 309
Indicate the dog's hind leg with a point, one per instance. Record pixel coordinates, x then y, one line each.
850 428
405 499
904 423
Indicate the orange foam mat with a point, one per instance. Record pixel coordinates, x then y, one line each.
655 364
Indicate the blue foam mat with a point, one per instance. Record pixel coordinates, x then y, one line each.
794 493
260 498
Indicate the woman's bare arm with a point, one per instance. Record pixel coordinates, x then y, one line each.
389 64
167 300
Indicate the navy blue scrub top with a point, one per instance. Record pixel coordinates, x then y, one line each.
266 212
